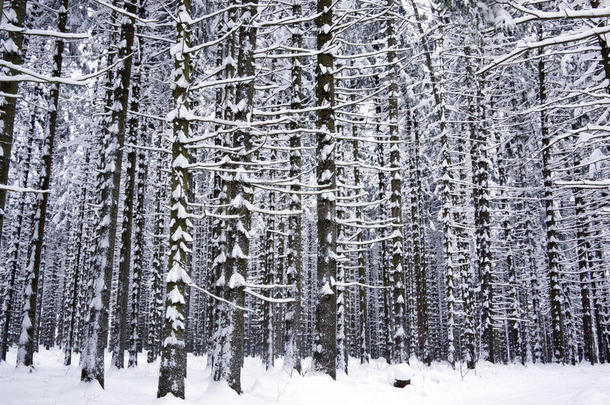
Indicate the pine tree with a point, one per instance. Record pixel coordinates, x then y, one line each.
325 351
11 57
109 186
173 353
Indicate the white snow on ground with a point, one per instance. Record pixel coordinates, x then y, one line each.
52 383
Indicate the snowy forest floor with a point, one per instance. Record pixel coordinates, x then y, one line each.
53 383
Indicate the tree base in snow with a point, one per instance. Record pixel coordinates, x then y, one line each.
401 383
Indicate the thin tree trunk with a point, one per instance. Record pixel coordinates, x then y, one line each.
72 301
137 128
26 341
110 182
294 262
13 252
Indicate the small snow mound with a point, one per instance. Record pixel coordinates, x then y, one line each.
21 369
220 390
90 392
402 372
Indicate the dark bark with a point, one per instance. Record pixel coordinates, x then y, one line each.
110 182
552 248
294 262
48 147
325 352
11 53
13 252
172 371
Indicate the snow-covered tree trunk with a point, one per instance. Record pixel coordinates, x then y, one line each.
173 353
268 279
120 326
463 261
342 255
139 220
325 350
385 320
362 334
601 300
109 188
398 288
26 344
13 251
480 199
10 48
437 79
514 310
227 64
552 248
240 198
156 288
294 260
76 274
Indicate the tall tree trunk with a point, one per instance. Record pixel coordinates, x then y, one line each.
398 287
514 343
173 355
121 311
156 300
362 334
325 352
26 340
76 274
463 259
217 245
240 196
269 279
11 53
294 262
110 184
342 193
13 252
552 248
482 224
137 128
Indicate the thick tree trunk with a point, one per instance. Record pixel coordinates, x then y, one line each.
11 53
173 355
325 352
240 196
552 248
398 287
482 224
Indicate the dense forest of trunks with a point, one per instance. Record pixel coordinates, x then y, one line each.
341 180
